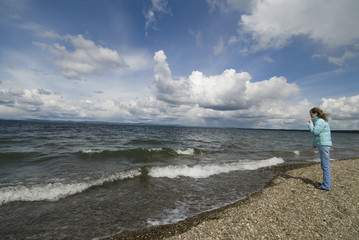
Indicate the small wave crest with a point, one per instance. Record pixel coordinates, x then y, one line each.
57 190
144 152
188 151
91 151
204 171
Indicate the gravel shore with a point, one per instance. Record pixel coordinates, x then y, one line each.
290 207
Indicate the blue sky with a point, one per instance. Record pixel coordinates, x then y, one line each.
229 63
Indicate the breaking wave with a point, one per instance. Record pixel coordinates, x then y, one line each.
204 171
57 190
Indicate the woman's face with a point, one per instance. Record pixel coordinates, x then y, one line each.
313 115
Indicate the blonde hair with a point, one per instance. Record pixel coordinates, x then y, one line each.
320 113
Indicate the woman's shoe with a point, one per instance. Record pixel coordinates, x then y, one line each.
321 188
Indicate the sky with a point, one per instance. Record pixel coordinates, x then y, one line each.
212 63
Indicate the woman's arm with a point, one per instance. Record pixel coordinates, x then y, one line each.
318 127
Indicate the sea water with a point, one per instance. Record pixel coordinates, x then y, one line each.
85 180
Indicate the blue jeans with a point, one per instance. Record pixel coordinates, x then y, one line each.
324 152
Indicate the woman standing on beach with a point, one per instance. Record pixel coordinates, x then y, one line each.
318 125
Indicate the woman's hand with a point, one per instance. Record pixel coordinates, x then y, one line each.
310 121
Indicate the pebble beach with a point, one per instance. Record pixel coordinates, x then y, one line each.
290 207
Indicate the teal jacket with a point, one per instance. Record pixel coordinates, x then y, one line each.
321 132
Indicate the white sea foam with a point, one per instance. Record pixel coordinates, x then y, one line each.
171 215
314 160
204 171
155 149
90 151
296 152
188 151
57 190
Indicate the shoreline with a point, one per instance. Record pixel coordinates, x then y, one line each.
298 180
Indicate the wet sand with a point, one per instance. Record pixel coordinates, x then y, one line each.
289 207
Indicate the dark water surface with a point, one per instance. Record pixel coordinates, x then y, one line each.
86 180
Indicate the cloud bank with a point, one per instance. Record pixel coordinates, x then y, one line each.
229 99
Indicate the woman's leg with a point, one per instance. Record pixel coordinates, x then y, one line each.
324 152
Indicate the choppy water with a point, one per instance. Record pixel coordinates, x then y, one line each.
86 180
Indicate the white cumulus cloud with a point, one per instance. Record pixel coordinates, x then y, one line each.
343 108
272 23
85 58
343 112
228 91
